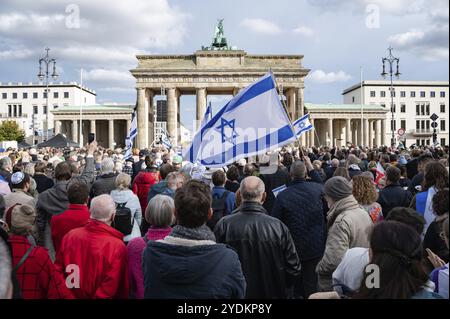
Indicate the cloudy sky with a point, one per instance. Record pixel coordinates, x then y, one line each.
337 38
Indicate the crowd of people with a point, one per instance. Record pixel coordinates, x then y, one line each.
295 223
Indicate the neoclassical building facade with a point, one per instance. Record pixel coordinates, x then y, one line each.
209 72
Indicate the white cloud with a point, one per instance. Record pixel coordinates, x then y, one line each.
261 26
320 76
108 76
120 90
430 44
15 54
304 31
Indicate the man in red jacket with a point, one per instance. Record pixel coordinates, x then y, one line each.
77 215
94 257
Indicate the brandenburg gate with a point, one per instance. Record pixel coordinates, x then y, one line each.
218 69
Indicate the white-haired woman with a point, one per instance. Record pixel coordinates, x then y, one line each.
159 214
123 195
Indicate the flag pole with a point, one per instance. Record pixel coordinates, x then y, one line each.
81 108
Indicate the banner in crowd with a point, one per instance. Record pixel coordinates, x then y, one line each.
251 123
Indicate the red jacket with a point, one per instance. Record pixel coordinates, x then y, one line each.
99 252
75 216
142 184
38 277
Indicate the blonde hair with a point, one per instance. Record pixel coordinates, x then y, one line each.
123 181
364 190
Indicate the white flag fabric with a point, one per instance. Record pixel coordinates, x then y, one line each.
208 115
253 122
302 125
131 136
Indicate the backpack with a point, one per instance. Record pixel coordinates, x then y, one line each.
123 221
219 206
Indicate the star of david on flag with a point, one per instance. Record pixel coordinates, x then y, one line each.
227 130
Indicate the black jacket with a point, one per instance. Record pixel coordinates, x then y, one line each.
43 182
191 272
103 185
302 208
272 181
393 196
411 168
266 250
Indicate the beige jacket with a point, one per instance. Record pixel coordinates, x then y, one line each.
18 196
348 226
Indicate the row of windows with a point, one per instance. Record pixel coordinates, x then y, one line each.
34 95
421 109
412 94
15 110
422 125
427 142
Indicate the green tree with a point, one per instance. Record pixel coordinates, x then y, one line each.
10 131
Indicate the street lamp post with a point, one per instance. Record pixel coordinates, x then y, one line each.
46 61
391 60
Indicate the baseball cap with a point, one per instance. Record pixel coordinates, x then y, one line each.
177 159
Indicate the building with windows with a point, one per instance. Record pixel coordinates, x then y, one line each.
26 103
414 103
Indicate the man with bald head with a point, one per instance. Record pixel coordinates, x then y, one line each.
99 254
265 247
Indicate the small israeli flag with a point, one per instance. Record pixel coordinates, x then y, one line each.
302 125
131 135
165 140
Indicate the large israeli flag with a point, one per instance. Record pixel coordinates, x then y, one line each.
302 125
131 136
253 122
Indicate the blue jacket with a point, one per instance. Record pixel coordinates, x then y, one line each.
301 207
192 272
230 203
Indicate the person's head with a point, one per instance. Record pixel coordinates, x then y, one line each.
352 160
287 159
336 189
40 167
407 216
415 153
396 249
335 163
342 172
249 169
21 181
362 156
441 202
6 287
422 161
159 211
23 218
123 181
364 190
78 193
393 175
107 166
403 172
177 161
149 162
317 165
367 174
298 170
233 173
29 169
384 159
193 204
252 189
63 171
165 169
175 180
103 209
219 178
436 175
393 158
6 164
